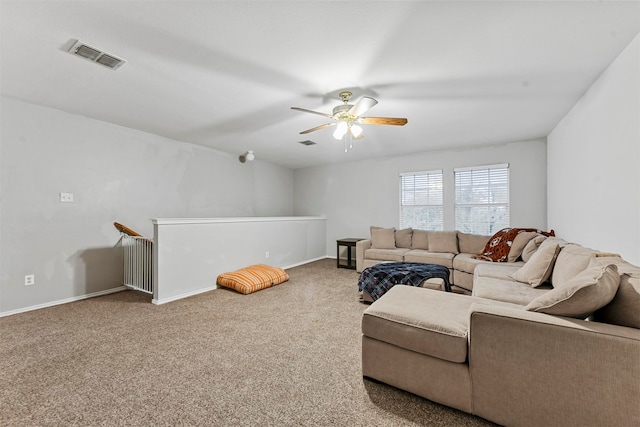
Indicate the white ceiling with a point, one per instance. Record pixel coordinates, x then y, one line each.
223 74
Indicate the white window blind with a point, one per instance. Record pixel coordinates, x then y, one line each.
482 199
421 200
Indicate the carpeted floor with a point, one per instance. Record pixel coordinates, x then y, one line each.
287 355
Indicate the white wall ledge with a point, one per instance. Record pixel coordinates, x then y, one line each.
178 221
190 253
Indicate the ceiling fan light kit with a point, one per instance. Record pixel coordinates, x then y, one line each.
347 117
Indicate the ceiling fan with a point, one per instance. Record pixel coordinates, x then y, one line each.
348 117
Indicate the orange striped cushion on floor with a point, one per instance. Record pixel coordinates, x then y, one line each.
253 278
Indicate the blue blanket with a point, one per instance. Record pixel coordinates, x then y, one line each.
380 278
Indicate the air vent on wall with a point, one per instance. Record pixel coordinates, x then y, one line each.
307 142
95 55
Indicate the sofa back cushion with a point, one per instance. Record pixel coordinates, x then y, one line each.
403 238
518 245
443 241
383 238
420 239
624 309
538 269
471 243
572 260
581 296
532 247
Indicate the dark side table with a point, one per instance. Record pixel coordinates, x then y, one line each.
350 244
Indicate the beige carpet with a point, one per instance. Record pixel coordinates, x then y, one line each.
288 355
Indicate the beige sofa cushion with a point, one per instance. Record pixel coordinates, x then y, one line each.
420 239
589 291
507 290
421 320
471 243
497 270
518 245
532 247
383 238
396 255
403 238
624 309
443 241
467 263
572 260
539 267
420 255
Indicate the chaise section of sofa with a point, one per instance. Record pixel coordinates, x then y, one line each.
416 339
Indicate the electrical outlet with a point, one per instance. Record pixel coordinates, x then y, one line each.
266 254
66 197
29 279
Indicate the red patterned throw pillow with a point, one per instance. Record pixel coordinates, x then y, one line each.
497 248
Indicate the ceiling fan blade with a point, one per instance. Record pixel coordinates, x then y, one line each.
312 112
318 128
395 121
362 106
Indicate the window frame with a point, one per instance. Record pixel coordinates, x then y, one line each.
499 187
427 206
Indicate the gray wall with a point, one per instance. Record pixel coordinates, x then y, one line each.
115 174
353 196
594 163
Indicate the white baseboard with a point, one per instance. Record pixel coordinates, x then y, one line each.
185 295
63 301
211 288
124 288
306 262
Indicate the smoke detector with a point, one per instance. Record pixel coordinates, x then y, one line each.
92 54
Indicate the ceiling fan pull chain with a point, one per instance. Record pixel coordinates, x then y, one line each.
348 142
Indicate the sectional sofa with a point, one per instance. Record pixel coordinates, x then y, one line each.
452 249
551 341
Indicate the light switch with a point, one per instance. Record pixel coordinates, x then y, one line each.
66 197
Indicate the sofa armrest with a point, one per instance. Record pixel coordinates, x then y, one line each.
361 246
533 368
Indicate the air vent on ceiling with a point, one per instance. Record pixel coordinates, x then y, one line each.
95 55
307 142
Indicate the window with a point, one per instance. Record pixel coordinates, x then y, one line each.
421 200
482 199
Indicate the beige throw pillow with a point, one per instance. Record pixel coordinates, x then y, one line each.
589 291
518 245
443 241
420 239
383 238
539 267
532 247
403 238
